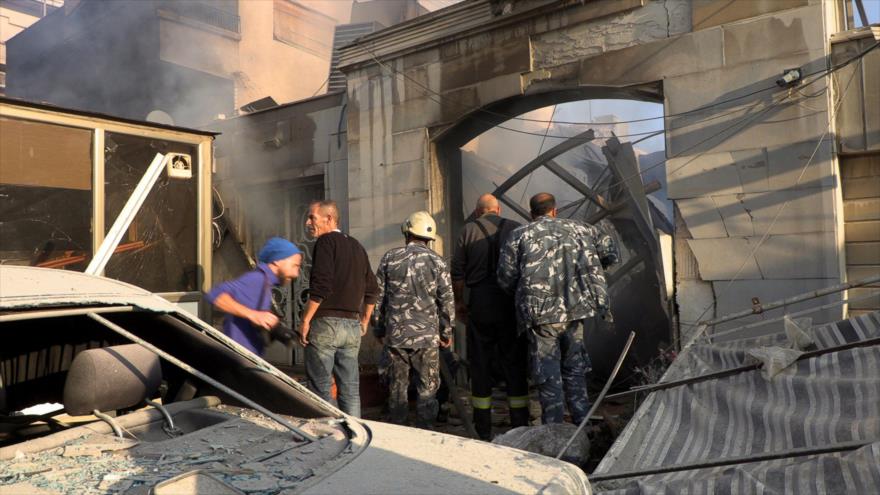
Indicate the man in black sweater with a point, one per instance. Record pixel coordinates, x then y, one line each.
342 294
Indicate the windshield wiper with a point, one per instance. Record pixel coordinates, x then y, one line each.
198 374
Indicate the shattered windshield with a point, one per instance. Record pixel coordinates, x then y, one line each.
181 415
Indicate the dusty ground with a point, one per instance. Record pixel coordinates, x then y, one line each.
604 427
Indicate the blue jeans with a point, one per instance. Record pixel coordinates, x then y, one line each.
333 351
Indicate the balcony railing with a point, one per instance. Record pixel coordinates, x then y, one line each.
206 14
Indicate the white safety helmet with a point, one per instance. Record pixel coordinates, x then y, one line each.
420 224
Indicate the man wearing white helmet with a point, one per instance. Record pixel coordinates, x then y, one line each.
414 314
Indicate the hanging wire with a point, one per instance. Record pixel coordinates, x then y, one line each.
704 108
701 329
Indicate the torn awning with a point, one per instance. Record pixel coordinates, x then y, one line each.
727 428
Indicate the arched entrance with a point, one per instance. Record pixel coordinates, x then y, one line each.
736 143
602 177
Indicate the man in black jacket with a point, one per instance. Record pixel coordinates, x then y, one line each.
490 316
342 294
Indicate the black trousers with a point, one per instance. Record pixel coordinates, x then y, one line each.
492 341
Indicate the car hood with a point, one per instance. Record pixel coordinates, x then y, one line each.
408 460
30 287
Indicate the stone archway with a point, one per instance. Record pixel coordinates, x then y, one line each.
636 285
735 144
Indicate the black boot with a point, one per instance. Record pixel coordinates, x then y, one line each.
519 416
483 423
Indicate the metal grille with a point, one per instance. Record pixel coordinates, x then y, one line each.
206 14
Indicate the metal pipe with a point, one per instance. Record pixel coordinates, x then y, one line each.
513 205
616 275
734 371
806 296
848 13
189 369
539 160
790 315
577 184
574 205
751 458
598 401
650 187
456 400
862 14
129 211
56 313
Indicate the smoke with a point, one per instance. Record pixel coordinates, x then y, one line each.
488 160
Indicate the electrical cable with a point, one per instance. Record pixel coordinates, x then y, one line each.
688 112
758 324
701 329
436 97
761 112
320 87
222 204
741 123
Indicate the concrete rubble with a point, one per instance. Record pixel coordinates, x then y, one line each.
548 440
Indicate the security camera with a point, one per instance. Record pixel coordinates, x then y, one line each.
789 77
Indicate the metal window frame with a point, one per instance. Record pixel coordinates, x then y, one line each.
99 127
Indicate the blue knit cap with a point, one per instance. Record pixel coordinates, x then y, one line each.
277 248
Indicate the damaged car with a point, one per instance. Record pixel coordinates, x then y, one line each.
150 399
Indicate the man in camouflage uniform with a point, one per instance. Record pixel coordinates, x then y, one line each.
414 314
555 268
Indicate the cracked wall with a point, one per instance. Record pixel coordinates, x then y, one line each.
747 168
655 21
760 203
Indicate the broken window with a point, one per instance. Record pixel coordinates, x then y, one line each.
45 194
159 250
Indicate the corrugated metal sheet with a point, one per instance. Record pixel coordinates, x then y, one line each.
720 435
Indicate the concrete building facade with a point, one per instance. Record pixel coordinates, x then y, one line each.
181 62
15 17
752 168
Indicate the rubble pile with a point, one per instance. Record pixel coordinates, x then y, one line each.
548 440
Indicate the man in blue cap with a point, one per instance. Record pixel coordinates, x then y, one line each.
247 300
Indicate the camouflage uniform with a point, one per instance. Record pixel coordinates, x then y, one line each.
559 361
415 309
555 268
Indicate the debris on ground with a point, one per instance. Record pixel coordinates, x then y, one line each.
548 440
